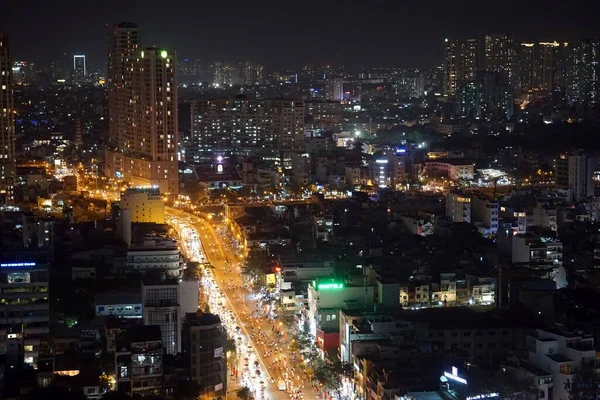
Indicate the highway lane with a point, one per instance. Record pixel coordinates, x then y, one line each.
271 349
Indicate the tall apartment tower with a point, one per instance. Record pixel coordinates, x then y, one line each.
526 57
460 63
583 88
7 125
153 150
143 133
501 57
123 48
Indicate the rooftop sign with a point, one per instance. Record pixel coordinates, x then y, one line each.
328 286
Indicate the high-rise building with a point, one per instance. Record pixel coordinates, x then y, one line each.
336 89
143 133
79 68
251 73
583 88
123 50
526 56
153 150
460 63
224 74
488 97
501 57
548 66
7 124
243 125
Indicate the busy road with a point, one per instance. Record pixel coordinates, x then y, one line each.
264 363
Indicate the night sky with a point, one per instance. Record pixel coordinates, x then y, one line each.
289 33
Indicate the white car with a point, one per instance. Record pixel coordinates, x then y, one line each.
281 385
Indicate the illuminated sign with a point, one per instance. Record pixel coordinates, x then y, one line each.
327 286
463 199
381 161
163 54
17 265
454 376
400 150
484 396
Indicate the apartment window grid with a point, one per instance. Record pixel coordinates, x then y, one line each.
161 297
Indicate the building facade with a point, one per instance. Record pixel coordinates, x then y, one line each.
460 63
24 311
246 126
7 124
146 153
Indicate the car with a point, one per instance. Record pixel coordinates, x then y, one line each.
281 385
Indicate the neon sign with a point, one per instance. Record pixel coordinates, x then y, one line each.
327 286
454 376
17 265
484 396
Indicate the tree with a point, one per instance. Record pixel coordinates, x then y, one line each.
244 393
331 373
585 384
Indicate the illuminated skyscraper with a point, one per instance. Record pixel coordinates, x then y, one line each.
7 124
336 89
143 135
584 77
251 73
460 63
501 57
526 59
123 49
152 153
79 68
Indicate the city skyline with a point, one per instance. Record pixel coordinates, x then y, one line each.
404 35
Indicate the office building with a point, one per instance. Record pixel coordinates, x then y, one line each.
145 205
501 57
79 69
139 361
143 140
165 303
7 125
205 346
251 73
24 311
460 63
244 126
584 80
123 50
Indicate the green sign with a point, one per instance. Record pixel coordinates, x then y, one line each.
327 286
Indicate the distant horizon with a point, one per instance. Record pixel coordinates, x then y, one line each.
283 35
